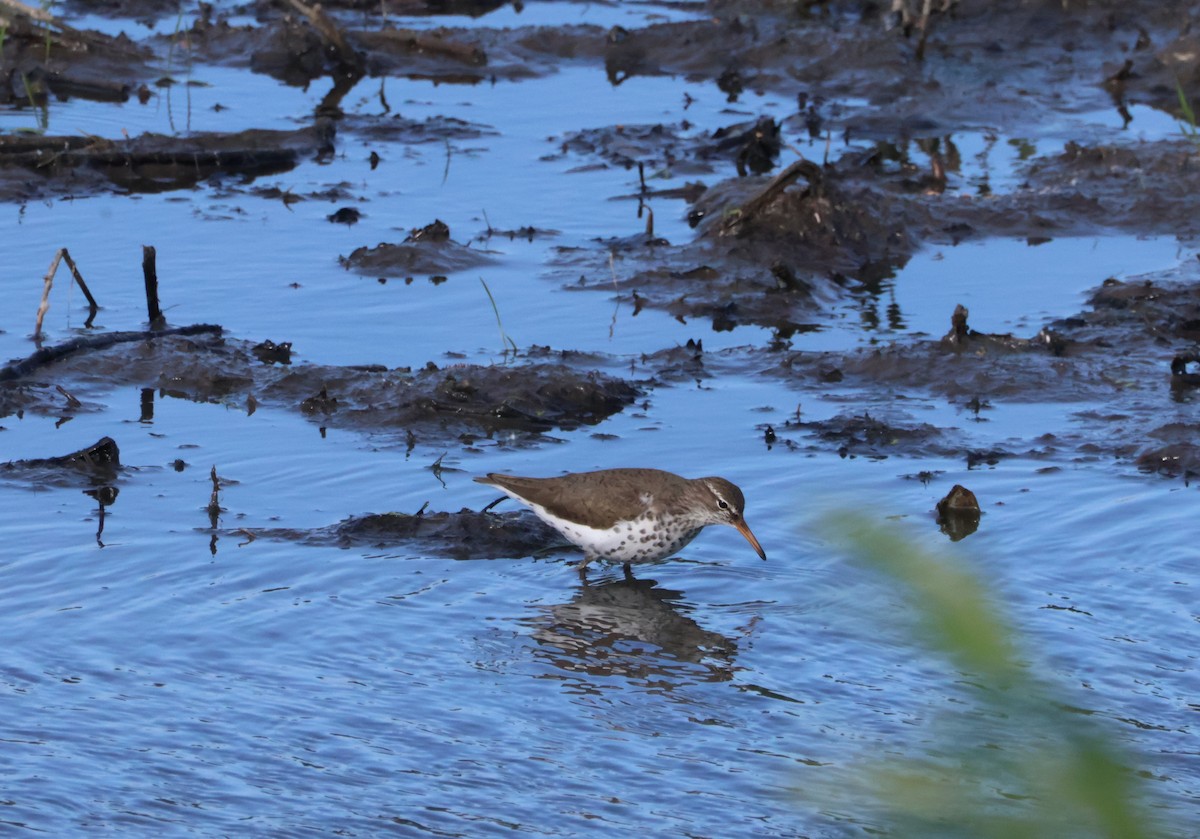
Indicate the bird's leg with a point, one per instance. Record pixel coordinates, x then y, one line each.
582 566
628 573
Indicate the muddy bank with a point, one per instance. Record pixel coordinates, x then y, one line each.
1107 53
45 58
432 404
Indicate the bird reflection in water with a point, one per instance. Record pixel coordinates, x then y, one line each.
629 627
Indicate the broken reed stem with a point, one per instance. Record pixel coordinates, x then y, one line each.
87 292
62 256
48 284
150 275
79 281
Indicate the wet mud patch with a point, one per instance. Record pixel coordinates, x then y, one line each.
466 534
771 252
771 249
1129 353
37 166
402 130
298 43
462 402
864 435
667 150
44 58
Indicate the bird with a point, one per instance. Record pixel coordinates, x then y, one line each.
628 515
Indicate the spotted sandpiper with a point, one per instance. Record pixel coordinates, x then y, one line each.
629 515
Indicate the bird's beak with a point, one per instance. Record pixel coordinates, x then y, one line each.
744 529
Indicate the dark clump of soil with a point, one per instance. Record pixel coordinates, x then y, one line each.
774 249
751 146
44 58
94 465
427 251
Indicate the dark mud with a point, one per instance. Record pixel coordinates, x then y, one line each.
1123 352
427 251
463 535
36 167
769 252
462 402
96 465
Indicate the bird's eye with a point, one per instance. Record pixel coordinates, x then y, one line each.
722 504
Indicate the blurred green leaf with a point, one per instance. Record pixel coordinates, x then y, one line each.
1018 764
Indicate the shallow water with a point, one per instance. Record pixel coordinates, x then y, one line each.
164 677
